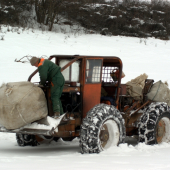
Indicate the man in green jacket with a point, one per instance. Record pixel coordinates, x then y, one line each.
51 72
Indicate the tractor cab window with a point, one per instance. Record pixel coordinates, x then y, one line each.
71 73
93 70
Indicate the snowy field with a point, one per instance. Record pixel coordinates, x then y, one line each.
150 56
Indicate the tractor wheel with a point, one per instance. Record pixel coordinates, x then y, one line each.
154 126
102 128
26 140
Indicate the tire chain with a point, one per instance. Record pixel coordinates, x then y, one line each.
25 140
89 140
148 121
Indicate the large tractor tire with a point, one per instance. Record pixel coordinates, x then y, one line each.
154 126
26 140
102 128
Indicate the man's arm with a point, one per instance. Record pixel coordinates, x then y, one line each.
43 74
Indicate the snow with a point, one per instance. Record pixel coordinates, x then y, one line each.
139 20
74 72
150 56
53 123
112 17
65 155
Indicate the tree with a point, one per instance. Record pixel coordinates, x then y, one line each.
10 10
46 11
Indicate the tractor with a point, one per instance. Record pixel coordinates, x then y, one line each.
97 123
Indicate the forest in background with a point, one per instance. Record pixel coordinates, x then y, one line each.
112 17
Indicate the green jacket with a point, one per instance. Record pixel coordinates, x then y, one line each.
47 71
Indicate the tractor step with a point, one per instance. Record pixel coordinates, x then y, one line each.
38 128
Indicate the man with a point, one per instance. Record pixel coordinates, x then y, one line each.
105 97
115 74
51 72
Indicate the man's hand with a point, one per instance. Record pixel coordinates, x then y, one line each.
40 85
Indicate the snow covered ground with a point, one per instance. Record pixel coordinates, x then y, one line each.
150 56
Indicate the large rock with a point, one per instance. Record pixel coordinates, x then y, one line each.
159 93
21 103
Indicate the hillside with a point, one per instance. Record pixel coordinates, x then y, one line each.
112 17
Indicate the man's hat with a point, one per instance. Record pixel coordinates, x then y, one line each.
34 60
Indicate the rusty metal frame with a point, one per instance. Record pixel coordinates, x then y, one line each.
131 120
68 129
63 68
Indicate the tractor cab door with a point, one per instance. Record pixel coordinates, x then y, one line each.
92 83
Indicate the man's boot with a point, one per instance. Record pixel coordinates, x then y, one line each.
56 115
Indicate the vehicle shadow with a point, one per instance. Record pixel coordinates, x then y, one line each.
132 140
53 149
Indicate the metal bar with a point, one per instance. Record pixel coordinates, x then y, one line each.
29 131
33 74
63 68
70 69
119 81
134 105
141 107
68 64
128 117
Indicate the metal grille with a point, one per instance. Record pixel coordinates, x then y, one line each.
106 74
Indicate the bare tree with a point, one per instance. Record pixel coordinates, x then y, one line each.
46 11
